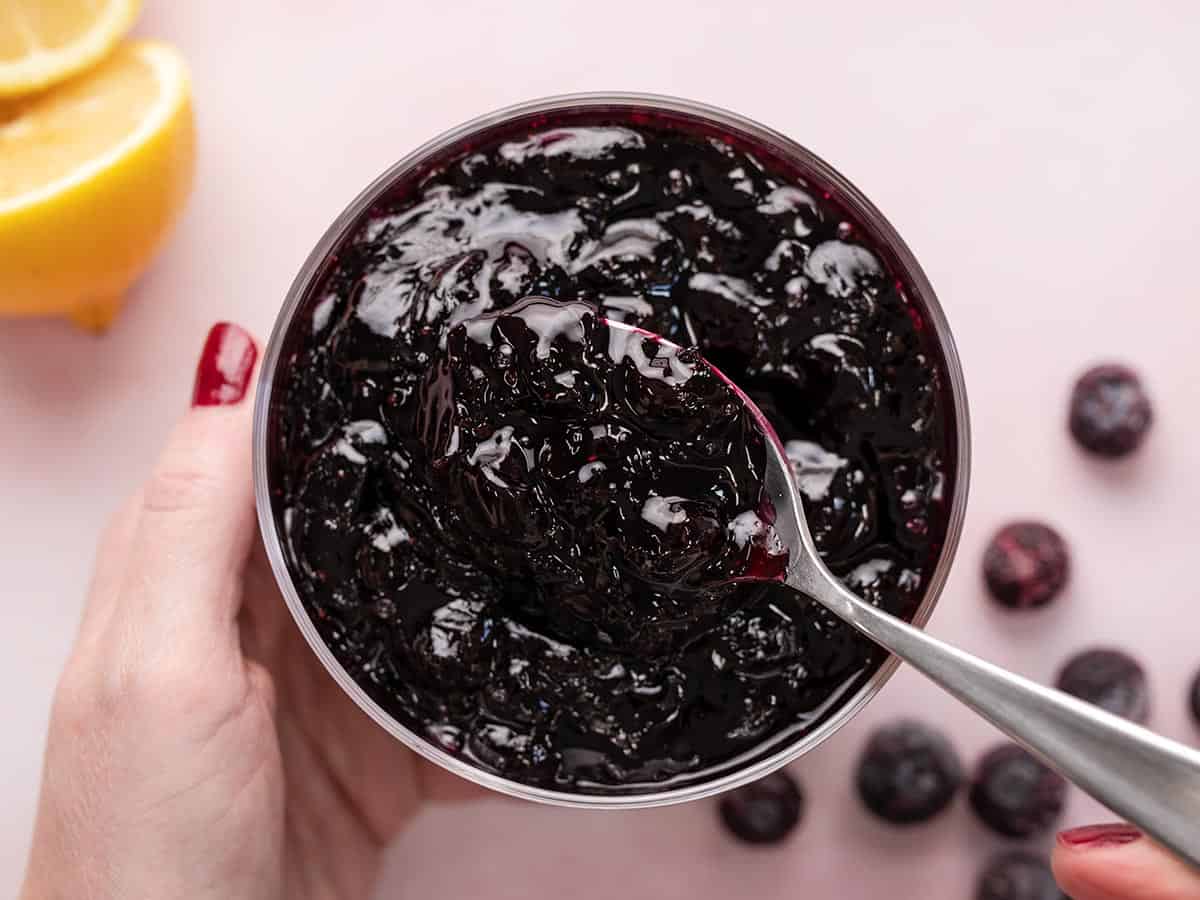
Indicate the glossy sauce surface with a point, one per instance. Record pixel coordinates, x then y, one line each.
613 482
504 637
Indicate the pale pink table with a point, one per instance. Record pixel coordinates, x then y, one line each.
1042 159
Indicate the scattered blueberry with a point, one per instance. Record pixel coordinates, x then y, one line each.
1110 679
1110 412
1026 565
1195 698
908 773
1016 795
1018 876
763 812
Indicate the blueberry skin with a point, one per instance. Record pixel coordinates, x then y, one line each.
1194 698
1110 411
1110 679
1026 565
908 773
1014 794
765 811
1018 875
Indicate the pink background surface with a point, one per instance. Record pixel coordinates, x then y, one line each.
1041 160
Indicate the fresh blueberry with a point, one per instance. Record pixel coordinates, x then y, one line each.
1195 698
1018 875
764 812
1110 679
1110 412
1026 564
1016 795
908 773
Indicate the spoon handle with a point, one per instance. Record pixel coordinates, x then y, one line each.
1151 781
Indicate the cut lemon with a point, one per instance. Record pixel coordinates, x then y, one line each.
92 174
46 41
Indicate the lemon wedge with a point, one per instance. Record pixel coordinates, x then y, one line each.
46 41
93 172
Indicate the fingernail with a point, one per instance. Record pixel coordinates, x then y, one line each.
1091 837
223 373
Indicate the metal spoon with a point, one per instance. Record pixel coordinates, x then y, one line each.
1151 781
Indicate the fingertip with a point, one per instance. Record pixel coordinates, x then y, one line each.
208 452
226 367
1117 862
1082 874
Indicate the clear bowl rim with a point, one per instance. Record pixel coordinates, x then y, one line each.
849 195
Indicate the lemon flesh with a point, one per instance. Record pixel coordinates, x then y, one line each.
92 174
43 42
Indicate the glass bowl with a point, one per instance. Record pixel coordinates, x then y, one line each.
780 749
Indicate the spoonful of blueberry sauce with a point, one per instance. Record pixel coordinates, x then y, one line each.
722 515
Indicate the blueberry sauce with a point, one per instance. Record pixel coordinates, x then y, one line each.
538 582
616 478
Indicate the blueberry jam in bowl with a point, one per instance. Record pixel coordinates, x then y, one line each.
505 541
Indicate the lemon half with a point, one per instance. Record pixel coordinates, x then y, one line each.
92 174
45 41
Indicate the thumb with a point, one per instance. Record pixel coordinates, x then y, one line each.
195 526
1117 862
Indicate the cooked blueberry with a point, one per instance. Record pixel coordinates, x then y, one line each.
1110 411
1110 679
325 545
1014 794
764 812
460 637
1018 875
630 541
886 584
908 773
840 499
504 748
1026 564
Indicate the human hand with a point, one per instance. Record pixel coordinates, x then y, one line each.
196 748
1116 862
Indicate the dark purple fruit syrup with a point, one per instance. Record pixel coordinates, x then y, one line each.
536 580
616 478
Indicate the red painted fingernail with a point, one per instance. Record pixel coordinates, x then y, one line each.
223 373
1091 837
